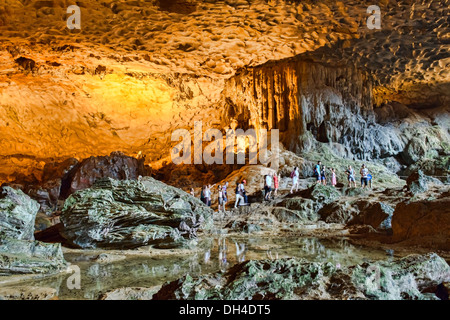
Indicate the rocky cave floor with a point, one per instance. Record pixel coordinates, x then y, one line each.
336 232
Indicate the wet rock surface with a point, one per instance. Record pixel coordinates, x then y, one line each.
130 294
128 214
28 293
406 278
27 256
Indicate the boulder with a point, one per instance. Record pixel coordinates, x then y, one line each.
361 212
372 214
19 253
407 278
128 214
295 210
53 185
426 222
117 166
17 214
418 182
320 195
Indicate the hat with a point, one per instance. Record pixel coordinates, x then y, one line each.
244 181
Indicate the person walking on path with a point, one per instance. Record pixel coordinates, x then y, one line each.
220 198
323 177
275 184
295 175
240 194
369 177
364 173
225 194
202 194
244 193
333 177
351 176
208 195
317 172
267 187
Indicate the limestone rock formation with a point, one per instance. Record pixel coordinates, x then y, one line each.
19 253
407 278
28 256
424 221
295 210
129 214
358 212
116 166
17 214
418 182
139 70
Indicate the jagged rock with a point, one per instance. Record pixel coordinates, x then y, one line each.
295 210
338 212
27 256
372 214
128 214
407 278
17 214
243 226
417 182
117 166
361 212
404 279
414 151
426 222
19 253
56 179
320 194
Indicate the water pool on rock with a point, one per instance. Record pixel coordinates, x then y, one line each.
106 271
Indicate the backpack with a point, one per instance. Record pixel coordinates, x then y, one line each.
237 189
292 173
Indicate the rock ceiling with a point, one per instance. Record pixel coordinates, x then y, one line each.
139 69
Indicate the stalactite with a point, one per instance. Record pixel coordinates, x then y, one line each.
297 96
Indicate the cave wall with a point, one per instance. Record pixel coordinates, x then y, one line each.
300 96
312 102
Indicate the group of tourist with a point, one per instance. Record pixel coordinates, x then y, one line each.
272 181
271 184
205 195
320 172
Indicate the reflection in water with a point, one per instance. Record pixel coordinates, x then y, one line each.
220 253
240 251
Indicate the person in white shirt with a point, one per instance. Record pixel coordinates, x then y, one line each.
220 198
240 192
267 186
364 176
295 175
